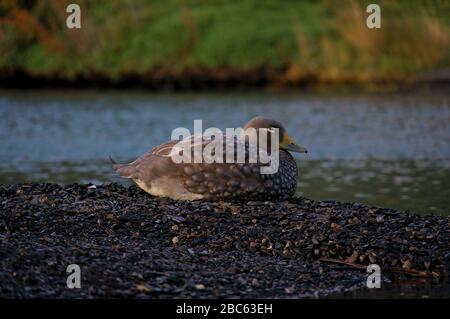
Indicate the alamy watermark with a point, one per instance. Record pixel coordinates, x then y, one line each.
236 145
73 20
374 279
374 19
74 279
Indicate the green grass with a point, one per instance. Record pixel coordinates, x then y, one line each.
325 40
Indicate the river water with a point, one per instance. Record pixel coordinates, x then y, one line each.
390 150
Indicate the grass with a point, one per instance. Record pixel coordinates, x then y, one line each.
321 40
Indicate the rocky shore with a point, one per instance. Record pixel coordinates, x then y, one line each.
129 244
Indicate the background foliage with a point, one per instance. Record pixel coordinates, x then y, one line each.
326 41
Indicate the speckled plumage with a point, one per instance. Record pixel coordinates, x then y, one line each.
156 173
218 181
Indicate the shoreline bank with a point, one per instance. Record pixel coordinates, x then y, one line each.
205 80
129 244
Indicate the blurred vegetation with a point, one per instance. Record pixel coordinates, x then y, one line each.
287 41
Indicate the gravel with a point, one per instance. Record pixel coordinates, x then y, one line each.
129 244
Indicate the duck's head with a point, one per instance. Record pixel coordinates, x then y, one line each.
287 143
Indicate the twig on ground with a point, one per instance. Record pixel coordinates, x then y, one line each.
412 272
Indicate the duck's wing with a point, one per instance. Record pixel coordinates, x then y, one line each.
213 180
221 178
156 162
150 164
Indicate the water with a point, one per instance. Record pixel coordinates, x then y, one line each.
389 150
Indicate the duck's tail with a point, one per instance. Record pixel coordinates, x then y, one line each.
122 169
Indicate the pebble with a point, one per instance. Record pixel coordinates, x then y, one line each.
227 250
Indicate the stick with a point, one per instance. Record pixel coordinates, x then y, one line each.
412 272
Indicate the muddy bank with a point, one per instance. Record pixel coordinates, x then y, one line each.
220 79
129 244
